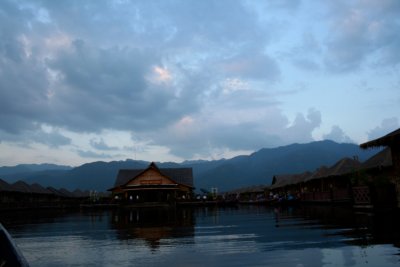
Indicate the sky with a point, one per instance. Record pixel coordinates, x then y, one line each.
160 80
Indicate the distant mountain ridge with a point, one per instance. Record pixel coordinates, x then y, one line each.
25 168
225 174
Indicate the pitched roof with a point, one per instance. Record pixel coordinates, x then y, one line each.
37 188
179 175
4 186
289 179
21 186
381 159
80 193
344 166
387 140
321 172
248 189
65 193
125 176
55 191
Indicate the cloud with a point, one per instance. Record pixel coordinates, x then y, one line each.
236 130
52 138
387 125
338 135
73 74
252 66
302 127
101 145
94 155
185 77
305 55
363 31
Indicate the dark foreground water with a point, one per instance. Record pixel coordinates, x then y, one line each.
241 236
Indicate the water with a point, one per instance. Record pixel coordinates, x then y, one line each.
241 236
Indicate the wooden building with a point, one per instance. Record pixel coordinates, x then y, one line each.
326 184
331 184
286 185
153 186
256 194
374 183
383 171
21 195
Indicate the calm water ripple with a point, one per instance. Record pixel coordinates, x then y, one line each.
243 236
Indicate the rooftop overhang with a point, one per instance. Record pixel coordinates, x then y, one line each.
390 139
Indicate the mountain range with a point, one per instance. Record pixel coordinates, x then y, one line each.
224 174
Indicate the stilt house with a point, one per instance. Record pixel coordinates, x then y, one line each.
153 185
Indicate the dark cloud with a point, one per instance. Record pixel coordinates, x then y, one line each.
99 74
53 139
193 76
101 145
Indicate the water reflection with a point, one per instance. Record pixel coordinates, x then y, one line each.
210 236
153 224
360 228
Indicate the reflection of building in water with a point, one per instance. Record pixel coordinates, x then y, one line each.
154 224
153 186
358 228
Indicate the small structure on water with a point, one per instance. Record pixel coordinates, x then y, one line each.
153 186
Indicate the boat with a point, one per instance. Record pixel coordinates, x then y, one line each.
10 255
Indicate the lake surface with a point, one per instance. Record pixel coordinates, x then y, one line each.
239 236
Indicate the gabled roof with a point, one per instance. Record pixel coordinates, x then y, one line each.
344 166
248 189
80 193
21 186
4 186
381 159
182 176
289 179
66 193
387 140
124 176
55 191
38 189
321 172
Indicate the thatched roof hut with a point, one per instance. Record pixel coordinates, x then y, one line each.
289 179
321 172
22 187
5 187
390 139
248 189
381 159
38 189
344 166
